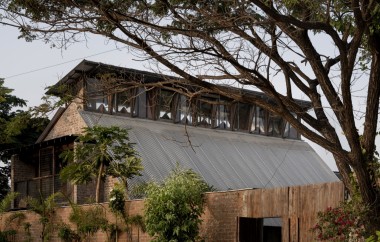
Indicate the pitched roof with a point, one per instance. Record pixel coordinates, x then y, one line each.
225 159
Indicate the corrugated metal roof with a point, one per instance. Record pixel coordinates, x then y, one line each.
225 159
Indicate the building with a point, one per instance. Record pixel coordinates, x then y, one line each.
231 145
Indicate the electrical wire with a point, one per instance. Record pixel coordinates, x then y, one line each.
62 63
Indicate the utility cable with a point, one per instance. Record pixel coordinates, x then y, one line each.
62 63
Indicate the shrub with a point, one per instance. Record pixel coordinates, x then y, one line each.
338 224
173 209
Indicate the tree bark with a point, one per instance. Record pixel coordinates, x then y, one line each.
369 192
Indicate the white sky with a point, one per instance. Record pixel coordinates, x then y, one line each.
19 58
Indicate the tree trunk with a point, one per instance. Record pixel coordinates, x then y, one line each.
365 169
361 181
369 191
98 181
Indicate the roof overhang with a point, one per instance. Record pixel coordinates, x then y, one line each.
52 142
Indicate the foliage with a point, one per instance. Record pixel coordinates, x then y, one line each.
5 235
173 209
4 180
96 154
117 206
374 238
347 221
26 227
112 232
45 208
323 51
17 128
130 167
138 191
339 224
117 200
14 220
88 220
5 204
66 234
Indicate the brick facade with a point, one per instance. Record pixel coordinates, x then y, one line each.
296 206
62 216
70 123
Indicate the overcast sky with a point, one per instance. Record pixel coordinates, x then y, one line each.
29 67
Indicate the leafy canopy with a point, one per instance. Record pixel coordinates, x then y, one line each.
17 128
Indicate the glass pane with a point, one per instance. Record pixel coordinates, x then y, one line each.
222 120
293 134
261 120
254 123
185 110
243 116
123 103
286 130
152 103
96 99
166 105
204 113
275 125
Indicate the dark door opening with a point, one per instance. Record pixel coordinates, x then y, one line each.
259 229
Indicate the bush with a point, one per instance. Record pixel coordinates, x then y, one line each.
339 224
66 234
374 238
173 209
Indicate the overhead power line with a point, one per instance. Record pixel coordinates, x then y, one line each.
62 63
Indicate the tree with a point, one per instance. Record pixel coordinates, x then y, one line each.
94 156
17 128
173 208
273 46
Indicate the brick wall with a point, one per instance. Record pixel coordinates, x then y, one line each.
62 216
220 217
297 206
70 123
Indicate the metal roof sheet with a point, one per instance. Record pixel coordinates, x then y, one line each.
225 159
